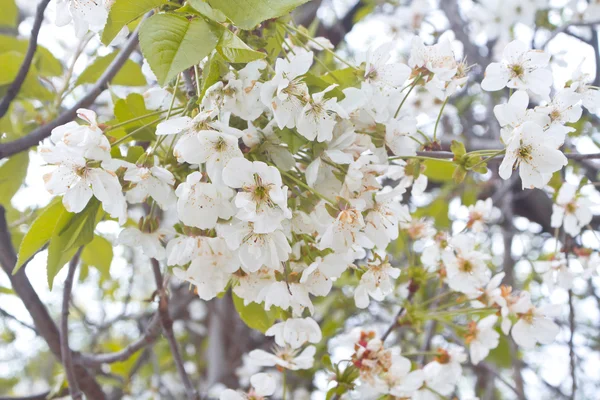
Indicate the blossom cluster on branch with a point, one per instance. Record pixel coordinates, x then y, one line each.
276 185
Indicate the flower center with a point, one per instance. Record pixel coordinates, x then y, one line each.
525 152
517 70
466 266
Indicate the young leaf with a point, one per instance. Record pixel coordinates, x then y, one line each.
71 232
439 170
212 72
10 13
98 253
254 314
129 75
205 9
249 13
39 232
172 43
12 174
122 12
130 108
234 50
44 60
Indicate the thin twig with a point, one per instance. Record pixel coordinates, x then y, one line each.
8 315
15 86
39 134
412 289
167 325
64 329
149 337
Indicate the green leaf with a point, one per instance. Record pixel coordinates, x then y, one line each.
172 43
80 229
293 140
234 50
130 108
9 14
32 88
12 175
459 174
246 14
318 84
205 9
39 232
346 77
129 75
212 72
134 153
71 232
275 35
44 60
254 314
439 170
122 12
458 149
98 253
11 62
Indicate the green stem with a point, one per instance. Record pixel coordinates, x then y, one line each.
296 30
162 138
305 186
412 86
130 134
419 158
437 122
433 299
487 159
120 124
420 132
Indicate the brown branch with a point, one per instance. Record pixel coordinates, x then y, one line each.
572 355
8 315
450 155
458 25
167 325
41 133
65 350
15 86
150 335
412 289
39 313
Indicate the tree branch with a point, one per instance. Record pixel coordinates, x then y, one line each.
167 325
412 289
8 315
41 133
15 86
39 314
64 329
449 155
149 337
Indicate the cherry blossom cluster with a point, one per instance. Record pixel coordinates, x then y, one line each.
281 187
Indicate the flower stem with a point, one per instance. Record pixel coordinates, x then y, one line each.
298 31
305 186
439 117
487 159
120 124
130 134
412 86
162 138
